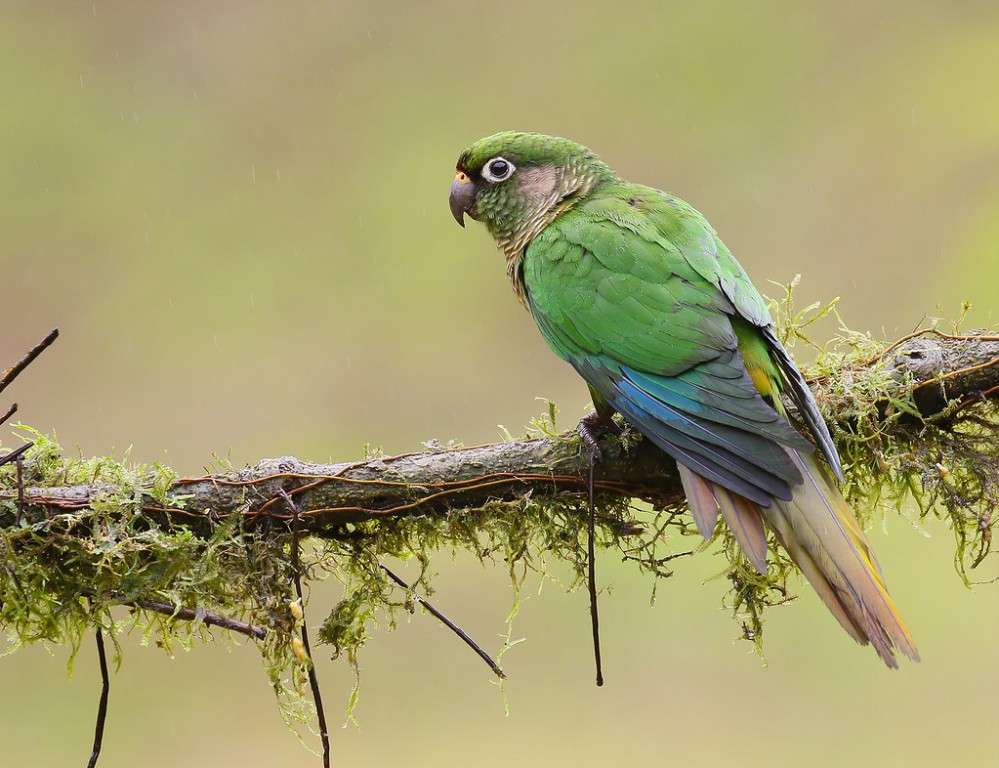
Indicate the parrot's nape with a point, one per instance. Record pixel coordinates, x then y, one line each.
633 288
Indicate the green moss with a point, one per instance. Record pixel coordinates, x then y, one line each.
64 575
945 466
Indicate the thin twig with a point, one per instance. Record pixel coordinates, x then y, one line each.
35 351
495 667
205 617
102 707
959 372
929 332
15 454
10 412
179 612
324 734
20 489
591 572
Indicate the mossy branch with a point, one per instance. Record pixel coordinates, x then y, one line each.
935 377
915 420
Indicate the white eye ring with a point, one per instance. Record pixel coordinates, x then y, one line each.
498 169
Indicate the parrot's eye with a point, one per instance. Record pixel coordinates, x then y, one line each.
498 169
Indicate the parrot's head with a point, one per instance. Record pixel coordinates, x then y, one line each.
517 183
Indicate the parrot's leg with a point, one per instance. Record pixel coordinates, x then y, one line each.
589 427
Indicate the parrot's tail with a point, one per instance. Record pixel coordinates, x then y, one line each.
819 531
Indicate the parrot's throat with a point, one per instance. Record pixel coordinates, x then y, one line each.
571 184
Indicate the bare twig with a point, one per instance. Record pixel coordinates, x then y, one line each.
324 733
102 707
179 612
591 571
10 412
15 454
448 623
35 351
20 489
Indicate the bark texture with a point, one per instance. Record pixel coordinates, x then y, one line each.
942 374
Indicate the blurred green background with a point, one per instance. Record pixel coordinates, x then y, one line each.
235 213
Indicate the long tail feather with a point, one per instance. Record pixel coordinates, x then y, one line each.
701 499
813 573
819 522
819 531
743 517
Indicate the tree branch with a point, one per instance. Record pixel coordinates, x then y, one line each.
916 419
943 374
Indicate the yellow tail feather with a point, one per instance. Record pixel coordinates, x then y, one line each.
819 531
818 522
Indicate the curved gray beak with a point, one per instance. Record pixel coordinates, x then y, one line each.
462 197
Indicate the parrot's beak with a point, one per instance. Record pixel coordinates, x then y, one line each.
462 197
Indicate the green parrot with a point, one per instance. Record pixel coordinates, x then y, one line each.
634 289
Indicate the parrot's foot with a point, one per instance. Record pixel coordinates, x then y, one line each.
590 427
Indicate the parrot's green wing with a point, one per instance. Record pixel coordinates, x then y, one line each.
635 290
758 344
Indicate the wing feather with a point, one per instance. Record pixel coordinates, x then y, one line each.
636 291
